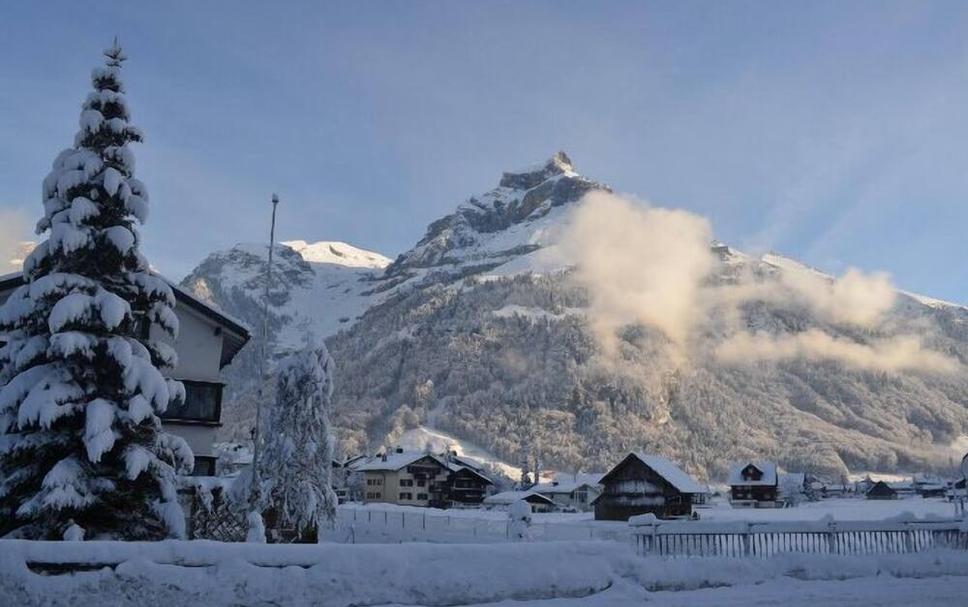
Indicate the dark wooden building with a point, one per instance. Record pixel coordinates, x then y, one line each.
753 484
881 491
466 487
643 484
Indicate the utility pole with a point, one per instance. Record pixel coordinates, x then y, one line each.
255 494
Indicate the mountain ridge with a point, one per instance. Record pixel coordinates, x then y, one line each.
482 328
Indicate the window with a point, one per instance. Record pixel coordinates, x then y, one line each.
374 482
406 482
422 496
421 483
204 466
406 496
203 403
373 496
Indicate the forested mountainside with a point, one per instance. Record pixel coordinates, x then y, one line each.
486 330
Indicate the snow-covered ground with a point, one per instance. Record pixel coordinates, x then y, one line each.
543 574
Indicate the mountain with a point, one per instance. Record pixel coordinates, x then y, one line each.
485 332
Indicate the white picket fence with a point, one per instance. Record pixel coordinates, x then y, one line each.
746 539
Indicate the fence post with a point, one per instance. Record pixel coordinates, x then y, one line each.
908 538
747 547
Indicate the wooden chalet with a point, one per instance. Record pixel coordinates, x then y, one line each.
753 485
642 484
881 491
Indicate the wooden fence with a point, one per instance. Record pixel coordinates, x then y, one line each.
743 539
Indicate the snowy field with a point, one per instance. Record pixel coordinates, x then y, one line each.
388 523
548 574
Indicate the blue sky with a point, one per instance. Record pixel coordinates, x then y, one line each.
834 132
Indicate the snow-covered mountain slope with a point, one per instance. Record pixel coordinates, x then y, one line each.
479 331
421 437
317 288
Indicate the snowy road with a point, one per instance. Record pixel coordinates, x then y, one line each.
788 592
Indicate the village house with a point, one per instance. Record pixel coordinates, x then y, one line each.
572 491
208 340
881 491
753 485
643 483
417 478
503 500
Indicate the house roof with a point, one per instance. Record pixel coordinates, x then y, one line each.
768 469
474 471
398 460
664 468
567 483
509 497
236 333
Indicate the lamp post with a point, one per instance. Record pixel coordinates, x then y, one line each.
256 491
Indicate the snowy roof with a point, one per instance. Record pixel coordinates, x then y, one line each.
767 468
458 467
398 460
567 483
666 469
509 497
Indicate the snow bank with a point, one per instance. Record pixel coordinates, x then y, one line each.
211 573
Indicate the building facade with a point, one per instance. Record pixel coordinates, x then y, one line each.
753 485
646 484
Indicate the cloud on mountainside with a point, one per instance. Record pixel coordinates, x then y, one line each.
651 266
14 227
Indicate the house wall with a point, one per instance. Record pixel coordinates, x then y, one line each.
199 349
199 346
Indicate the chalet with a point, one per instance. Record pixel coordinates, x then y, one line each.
208 340
417 478
881 491
643 483
572 491
503 500
753 485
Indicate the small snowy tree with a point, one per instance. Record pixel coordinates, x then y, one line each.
81 445
296 461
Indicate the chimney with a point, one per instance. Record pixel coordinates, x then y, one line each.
384 456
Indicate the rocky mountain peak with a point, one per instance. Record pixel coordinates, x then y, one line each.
559 164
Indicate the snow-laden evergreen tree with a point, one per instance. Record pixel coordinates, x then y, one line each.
296 461
81 444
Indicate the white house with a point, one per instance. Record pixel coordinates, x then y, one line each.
572 491
207 341
503 500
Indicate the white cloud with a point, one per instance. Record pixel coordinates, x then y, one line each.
14 230
640 264
650 266
895 354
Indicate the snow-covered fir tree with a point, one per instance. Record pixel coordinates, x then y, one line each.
296 461
81 444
